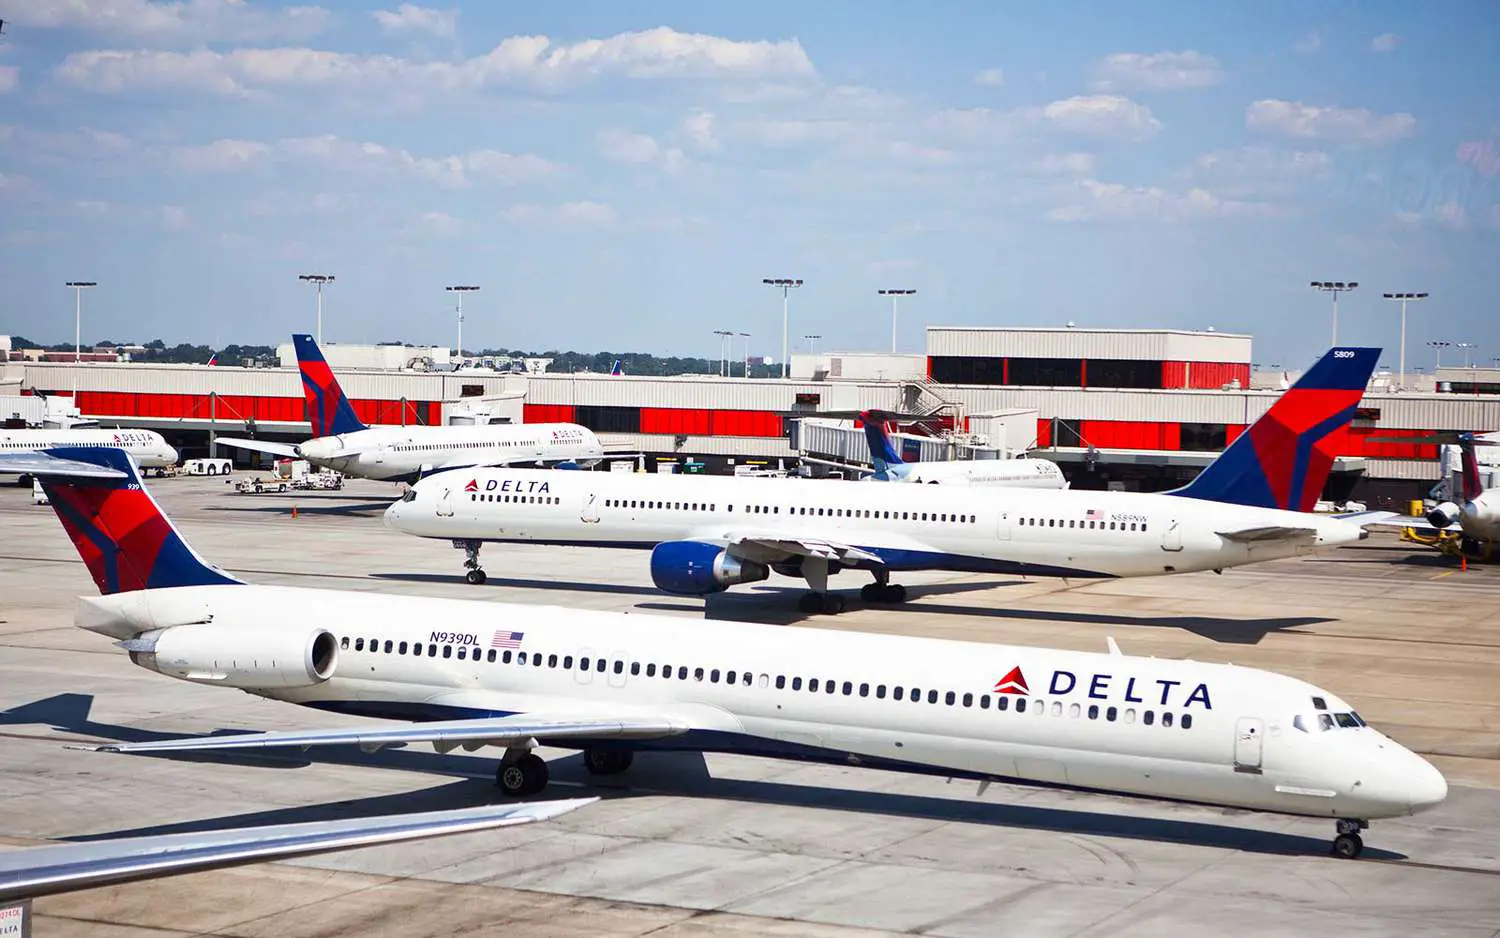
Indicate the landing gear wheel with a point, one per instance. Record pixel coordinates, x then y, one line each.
871 593
607 761
526 775
895 593
833 604
1348 846
810 603
476 577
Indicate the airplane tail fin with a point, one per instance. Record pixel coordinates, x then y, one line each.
1283 459
328 408
618 367
120 531
882 453
1469 463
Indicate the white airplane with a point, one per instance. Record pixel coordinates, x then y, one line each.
32 872
706 534
148 447
1023 473
405 454
518 677
1478 517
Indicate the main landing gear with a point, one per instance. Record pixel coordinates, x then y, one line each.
522 772
883 590
1348 845
471 560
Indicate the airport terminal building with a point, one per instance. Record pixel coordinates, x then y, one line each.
1134 409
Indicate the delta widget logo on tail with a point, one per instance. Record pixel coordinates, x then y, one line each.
1158 692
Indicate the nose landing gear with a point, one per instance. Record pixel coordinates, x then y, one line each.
471 561
1348 845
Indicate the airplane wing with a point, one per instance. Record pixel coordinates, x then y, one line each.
261 446
41 871
43 464
774 549
1273 532
445 736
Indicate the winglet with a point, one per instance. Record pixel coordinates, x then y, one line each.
1283 459
327 408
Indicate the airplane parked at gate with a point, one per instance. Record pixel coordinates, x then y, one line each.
706 534
148 447
405 454
518 677
1023 473
1478 517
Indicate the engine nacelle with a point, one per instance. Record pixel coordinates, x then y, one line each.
238 656
1444 515
693 568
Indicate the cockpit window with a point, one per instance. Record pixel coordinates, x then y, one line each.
1319 703
1325 722
1348 720
410 496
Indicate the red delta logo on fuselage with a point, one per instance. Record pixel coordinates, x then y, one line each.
473 486
1159 692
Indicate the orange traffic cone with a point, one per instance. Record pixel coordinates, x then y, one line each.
294 511
1463 563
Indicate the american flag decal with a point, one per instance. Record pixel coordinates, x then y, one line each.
1094 515
507 639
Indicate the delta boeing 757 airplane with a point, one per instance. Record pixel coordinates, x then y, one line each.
707 534
478 674
405 454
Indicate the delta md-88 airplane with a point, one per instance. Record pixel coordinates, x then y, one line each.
1023 473
477 674
148 448
707 534
405 454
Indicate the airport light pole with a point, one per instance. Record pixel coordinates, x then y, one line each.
786 285
1335 287
895 296
746 337
810 340
319 281
1467 347
78 286
725 350
1403 298
459 352
1437 346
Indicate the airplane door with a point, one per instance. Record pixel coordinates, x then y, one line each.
445 503
1002 527
1171 535
590 512
1248 737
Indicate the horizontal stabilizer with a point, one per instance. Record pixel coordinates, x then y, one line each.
1366 517
286 450
1272 532
443 734
43 464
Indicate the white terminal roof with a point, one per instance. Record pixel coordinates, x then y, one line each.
1102 343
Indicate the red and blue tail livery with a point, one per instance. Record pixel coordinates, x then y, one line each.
327 407
120 532
1283 460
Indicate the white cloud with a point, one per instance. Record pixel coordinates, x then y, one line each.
1385 42
1308 44
623 146
1346 125
1102 116
175 217
1091 200
410 18
1448 214
584 213
184 22
698 128
1260 171
990 77
454 171
1160 71
526 61
10 77
440 224
221 155
18 187
1068 164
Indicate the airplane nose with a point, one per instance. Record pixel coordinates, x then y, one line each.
172 455
391 516
1426 786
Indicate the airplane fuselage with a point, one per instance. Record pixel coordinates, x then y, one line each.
1184 730
148 447
407 453
909 527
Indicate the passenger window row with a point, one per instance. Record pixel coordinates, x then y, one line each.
1090 524
517 499
999 702
800 510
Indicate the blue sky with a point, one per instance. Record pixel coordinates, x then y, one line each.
622 176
